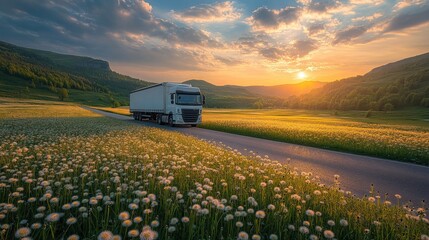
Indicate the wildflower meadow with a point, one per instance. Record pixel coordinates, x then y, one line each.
66 173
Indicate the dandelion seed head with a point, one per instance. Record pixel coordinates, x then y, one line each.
133 233
243 236
71 221
124 215
53 217
309 212
105 235
22 232
154 223
328 234
344 223
273 237
260 214
256 237
73 237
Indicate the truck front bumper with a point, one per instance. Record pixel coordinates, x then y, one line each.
178 119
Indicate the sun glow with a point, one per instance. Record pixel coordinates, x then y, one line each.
301 75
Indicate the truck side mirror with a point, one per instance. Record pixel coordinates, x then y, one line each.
204 99
172 98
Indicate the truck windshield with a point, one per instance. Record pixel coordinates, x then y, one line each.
188 99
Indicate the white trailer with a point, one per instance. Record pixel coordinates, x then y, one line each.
172 103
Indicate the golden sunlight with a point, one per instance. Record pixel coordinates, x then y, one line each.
301 75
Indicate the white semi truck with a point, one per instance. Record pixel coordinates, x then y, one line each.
168 103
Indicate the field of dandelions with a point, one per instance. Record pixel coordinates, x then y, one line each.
66 173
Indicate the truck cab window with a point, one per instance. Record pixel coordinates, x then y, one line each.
188 99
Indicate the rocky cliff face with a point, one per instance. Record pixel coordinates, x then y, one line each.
92 64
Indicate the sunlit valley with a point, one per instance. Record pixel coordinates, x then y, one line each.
141 119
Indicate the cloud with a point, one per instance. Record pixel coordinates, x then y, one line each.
315 28
366 2
348 34
406 3
120 30
269 48
320 6
217 12
415 17
368 18
303 47
266 19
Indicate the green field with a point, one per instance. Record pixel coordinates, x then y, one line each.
399 135
68 173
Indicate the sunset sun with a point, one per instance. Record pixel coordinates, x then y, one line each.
301 75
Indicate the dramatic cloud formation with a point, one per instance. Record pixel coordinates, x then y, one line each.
409 19
320 5
236 40
349 34
264 18
217 12
406 3
127 28
267 47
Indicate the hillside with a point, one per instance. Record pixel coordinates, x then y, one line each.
404 83
40 74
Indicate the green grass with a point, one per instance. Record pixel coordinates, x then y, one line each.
400 135
14 87
67 172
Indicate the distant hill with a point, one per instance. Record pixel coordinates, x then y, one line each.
40 74
395 85
225 96
233 96
286 90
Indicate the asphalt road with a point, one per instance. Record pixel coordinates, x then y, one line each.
357 172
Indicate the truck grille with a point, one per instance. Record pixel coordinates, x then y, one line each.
190 115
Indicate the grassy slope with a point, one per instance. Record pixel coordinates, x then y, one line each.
14 87
75 144
403 83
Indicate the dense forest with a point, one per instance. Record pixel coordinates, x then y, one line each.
55 72
393 86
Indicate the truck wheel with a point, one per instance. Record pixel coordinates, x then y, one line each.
170 121
159 119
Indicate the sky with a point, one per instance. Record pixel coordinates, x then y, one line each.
241 42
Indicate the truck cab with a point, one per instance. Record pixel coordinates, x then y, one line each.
172 103
185 105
